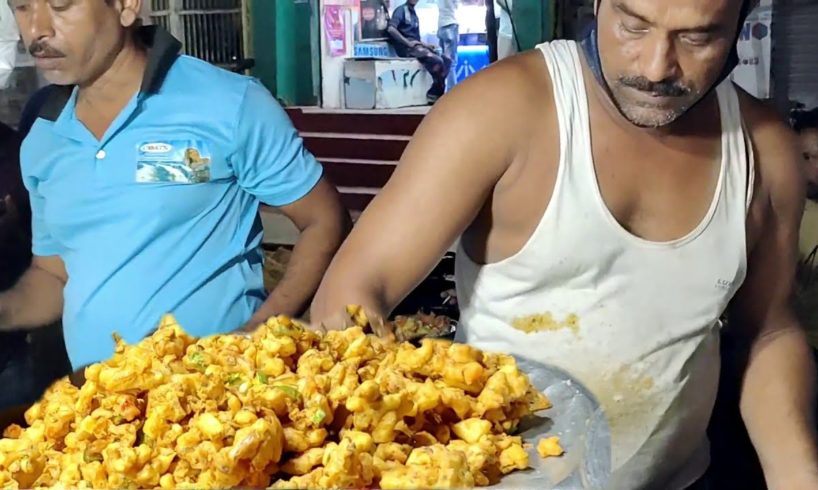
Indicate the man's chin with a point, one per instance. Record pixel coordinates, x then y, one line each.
58 77
650 119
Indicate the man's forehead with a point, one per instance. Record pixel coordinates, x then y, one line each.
681 10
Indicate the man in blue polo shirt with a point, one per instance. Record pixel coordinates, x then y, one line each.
145 171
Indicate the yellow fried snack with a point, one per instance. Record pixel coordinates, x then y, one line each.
283 408
549 447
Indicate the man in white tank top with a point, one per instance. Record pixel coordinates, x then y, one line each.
606 223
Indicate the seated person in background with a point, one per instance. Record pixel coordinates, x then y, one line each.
806 124
404 31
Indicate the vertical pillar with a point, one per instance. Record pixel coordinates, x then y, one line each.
293 48
534 21
263 26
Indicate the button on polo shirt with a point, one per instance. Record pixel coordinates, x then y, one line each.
161 214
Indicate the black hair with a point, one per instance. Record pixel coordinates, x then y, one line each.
801 119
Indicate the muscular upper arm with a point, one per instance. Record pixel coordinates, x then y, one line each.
447 172
764 303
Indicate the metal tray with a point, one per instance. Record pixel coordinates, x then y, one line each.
578 420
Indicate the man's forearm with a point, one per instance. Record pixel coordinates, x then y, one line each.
35 301
778 406
311 256
400 37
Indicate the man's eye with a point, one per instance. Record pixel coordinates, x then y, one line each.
19 5
697 39
60 5
806 156
632 27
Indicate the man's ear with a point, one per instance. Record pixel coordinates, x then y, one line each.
129 12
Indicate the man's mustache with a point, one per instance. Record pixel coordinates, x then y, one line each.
41 49
662 89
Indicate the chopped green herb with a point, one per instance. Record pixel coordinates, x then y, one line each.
234 379
319 416
291 391
197 358
262 378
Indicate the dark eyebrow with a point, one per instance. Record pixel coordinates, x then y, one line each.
705 29
622 8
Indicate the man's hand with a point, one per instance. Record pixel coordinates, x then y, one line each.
357 316
251 326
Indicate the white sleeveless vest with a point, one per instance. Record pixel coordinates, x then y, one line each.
636 321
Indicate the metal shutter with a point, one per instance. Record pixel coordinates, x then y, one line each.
795 56
212 30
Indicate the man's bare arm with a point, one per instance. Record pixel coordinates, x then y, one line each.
397 36
37 298
444 178
778 391
323 223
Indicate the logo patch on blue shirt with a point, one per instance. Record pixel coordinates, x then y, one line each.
177 161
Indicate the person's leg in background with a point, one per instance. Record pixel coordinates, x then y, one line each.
437 66
449 40
506 46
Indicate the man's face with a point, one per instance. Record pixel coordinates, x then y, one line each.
809 149
72 41
412 3
659 57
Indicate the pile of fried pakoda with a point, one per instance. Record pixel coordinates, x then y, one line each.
286 407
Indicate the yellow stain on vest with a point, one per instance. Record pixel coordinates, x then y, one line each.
545 322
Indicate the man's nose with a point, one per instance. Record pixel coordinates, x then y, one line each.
659 60
39 20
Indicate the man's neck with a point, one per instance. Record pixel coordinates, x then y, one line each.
121 80
102 100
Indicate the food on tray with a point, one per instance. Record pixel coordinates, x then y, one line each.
286 407
407 328
549 447
420 326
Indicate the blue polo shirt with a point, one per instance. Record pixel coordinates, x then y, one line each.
161 214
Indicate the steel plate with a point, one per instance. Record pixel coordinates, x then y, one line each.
578 420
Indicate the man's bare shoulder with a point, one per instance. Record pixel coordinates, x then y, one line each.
781 186
515 87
